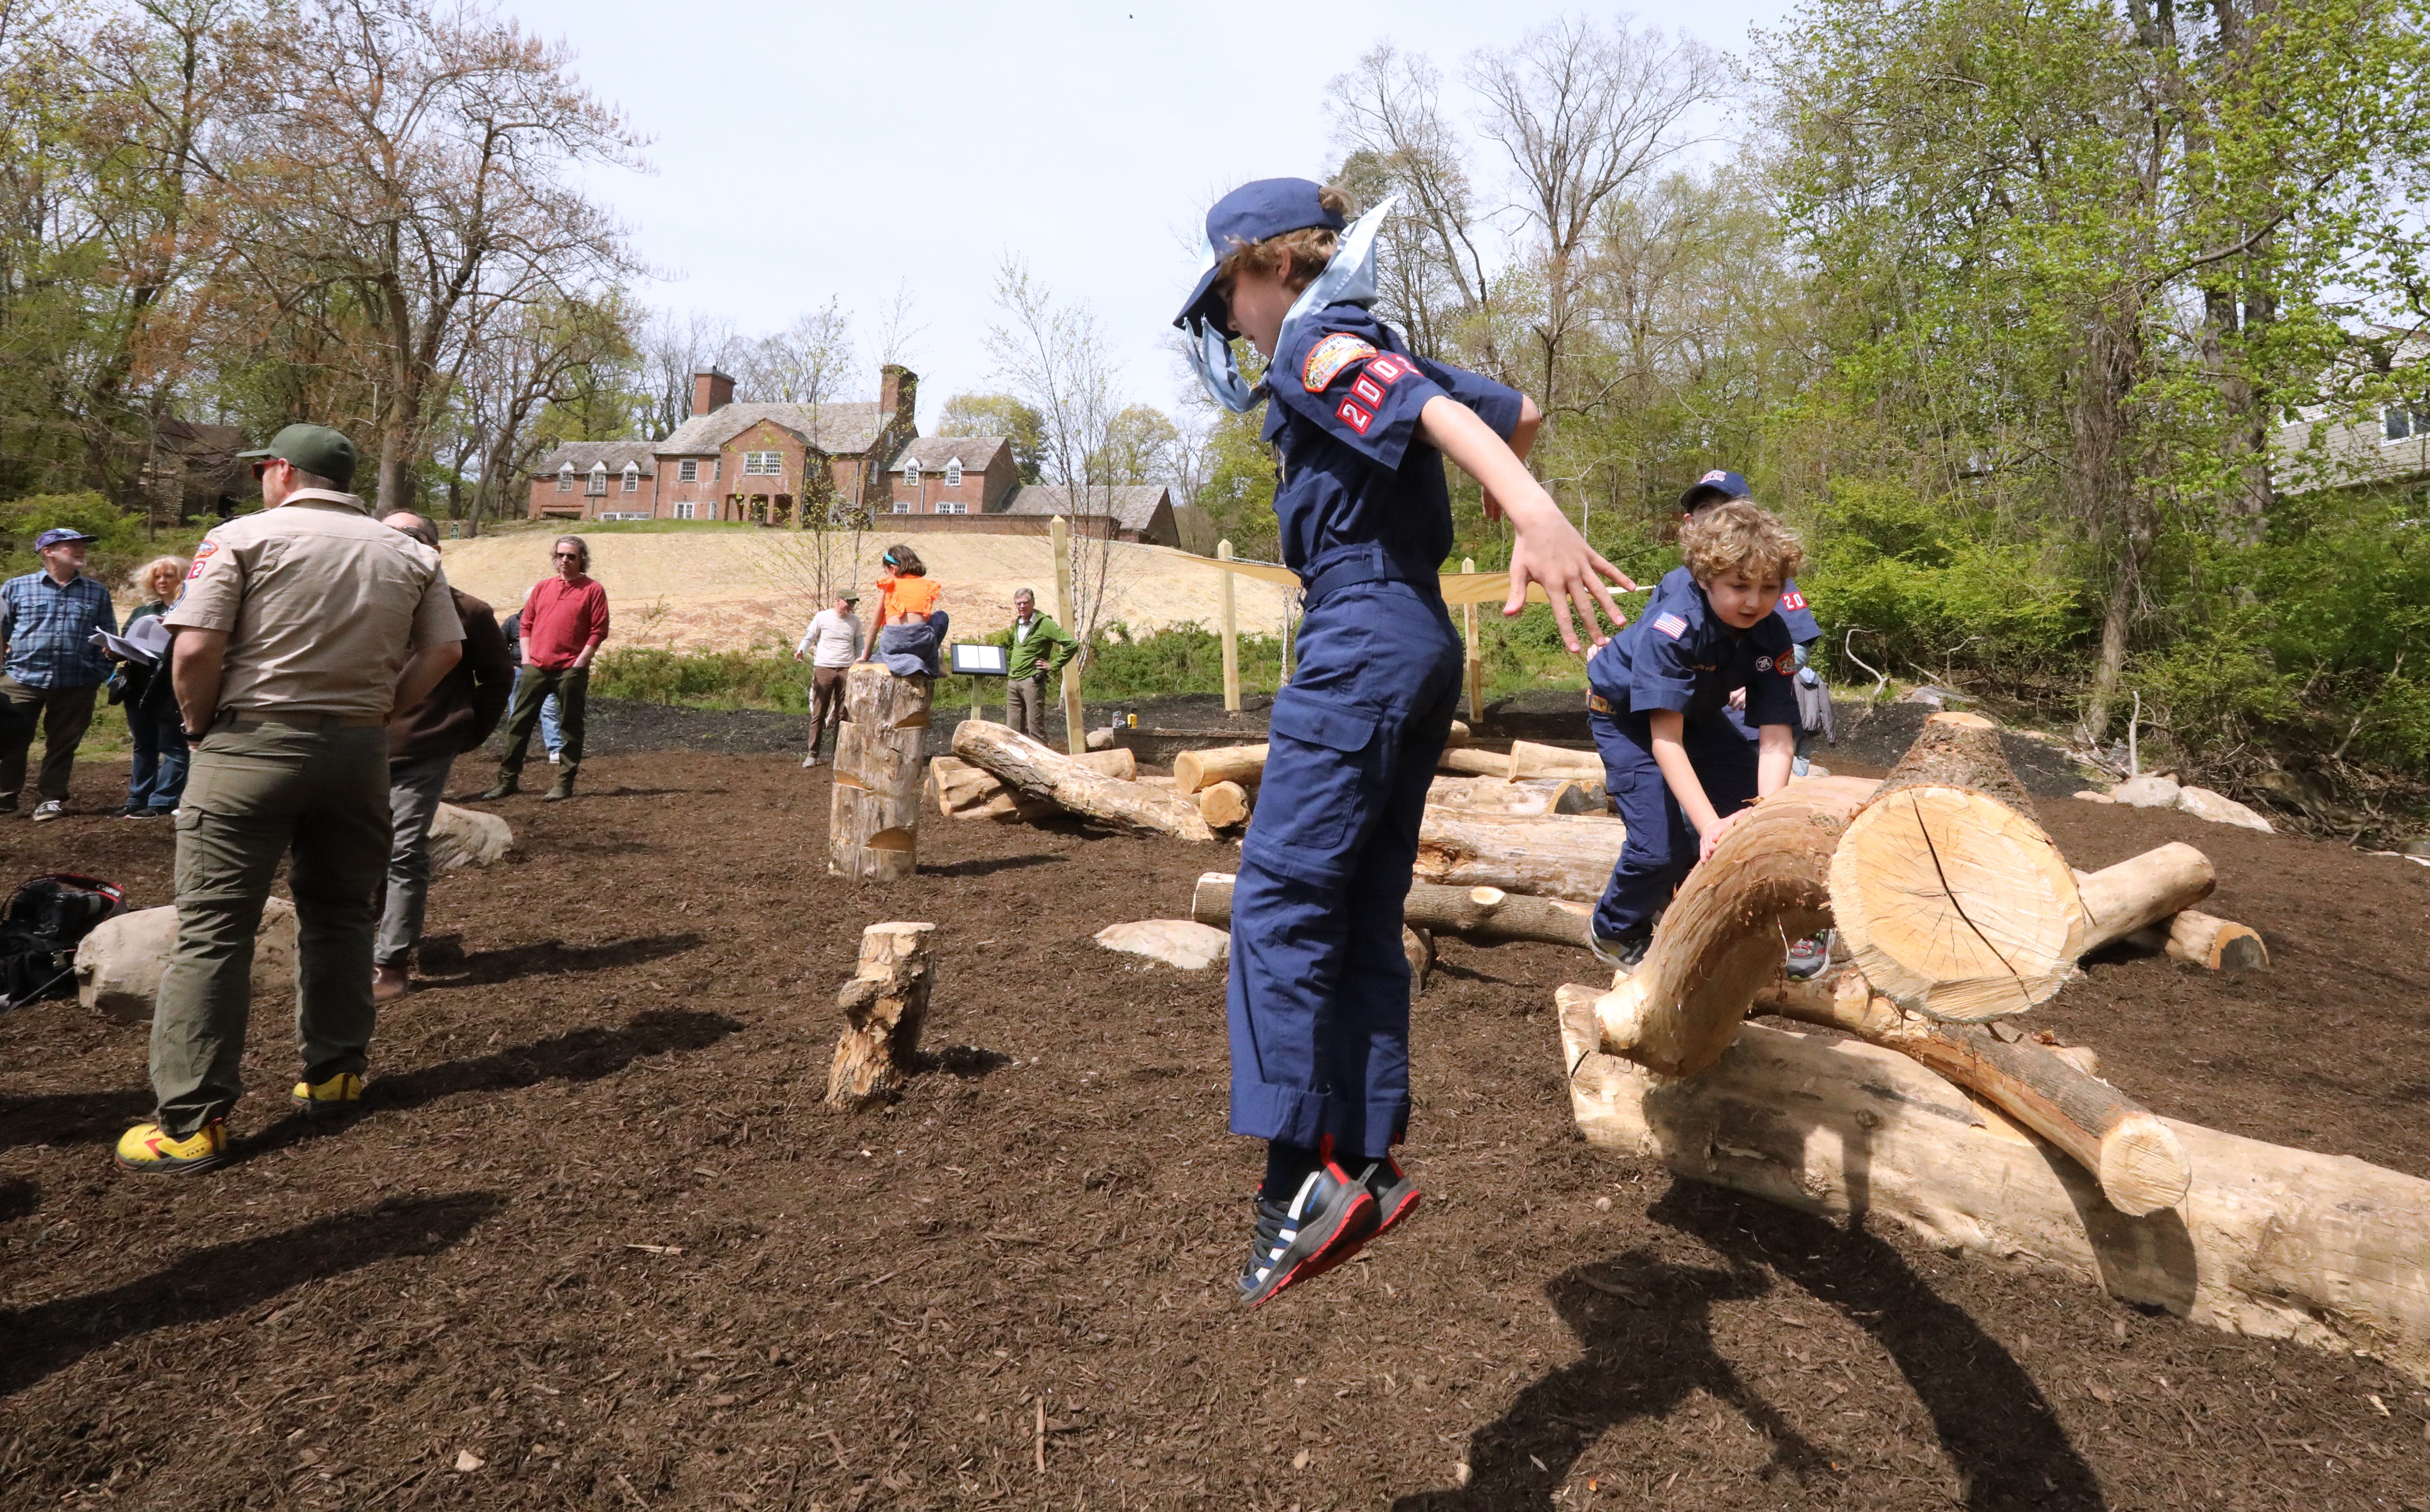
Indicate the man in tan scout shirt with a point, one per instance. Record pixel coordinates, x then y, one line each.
300 629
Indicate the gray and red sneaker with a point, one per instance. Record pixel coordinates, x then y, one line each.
1325 1222
1395 1193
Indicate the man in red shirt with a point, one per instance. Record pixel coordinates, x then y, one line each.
564 620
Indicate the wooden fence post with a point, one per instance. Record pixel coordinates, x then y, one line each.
1058 533
1231 636
1476 667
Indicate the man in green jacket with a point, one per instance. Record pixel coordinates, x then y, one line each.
1039 649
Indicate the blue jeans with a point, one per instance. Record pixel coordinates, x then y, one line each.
157 777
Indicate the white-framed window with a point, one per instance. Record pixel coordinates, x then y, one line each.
632 478
688 471
954 473
565 478
902 507
598 484
2403 425
910 474
763 464
684 508
952 507
624 514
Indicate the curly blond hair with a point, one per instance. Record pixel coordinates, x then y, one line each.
1738 535
1295 256
141 579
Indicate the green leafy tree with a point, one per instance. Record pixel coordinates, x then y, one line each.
998 414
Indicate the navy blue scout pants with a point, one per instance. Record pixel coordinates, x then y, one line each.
1661 845
1319 998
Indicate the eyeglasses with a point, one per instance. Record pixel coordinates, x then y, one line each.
568 555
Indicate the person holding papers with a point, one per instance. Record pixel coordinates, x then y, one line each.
156 778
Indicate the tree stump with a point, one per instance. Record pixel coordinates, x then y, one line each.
873 818
1951 899
883 1005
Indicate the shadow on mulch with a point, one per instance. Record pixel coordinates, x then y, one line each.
1645 1326
445 963
228 1278
71 1118
576 1055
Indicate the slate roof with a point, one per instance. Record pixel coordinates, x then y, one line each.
1134 508
840 430
584 454
933 452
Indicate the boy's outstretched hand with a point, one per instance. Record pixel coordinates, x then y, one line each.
1549 549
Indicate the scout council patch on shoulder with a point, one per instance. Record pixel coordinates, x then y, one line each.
1792 600
201 554
1672 626
1327 357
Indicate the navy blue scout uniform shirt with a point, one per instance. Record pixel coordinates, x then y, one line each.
1792 612
1345 396
1678 655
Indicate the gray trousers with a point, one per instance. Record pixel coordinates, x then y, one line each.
258 790
1025 706
413 793
64 712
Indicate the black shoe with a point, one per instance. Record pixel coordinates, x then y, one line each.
1395 1193
503 787
1323 1225
1624 952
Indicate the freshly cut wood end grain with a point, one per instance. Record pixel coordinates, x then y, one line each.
1195 771
1959 751
2143 1168
1953 904
1224 805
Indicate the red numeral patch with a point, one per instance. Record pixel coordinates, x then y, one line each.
1792 600
1367 390
1356 418
1387 369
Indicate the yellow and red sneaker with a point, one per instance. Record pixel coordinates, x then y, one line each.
150 1147
341 1093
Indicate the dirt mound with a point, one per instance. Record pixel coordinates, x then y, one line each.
594 1242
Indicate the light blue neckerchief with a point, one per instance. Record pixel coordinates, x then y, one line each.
1348 279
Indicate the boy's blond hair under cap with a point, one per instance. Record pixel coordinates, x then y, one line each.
1738 535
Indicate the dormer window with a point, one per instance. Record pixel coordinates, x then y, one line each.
910 474
598 479
954 473
565 478
632 478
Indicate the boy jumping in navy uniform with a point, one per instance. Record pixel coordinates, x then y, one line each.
1318 995
1678 769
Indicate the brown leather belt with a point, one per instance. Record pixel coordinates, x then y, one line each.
1601 704
245 718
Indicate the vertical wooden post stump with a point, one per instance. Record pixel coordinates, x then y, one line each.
1472 668
882 1006
880 758
1231 634
1058 534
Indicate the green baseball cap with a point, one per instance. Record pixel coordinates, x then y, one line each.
313 448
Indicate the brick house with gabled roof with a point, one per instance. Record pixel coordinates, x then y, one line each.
953 474
596 480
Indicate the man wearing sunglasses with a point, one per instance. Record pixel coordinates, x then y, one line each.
301 630
564 620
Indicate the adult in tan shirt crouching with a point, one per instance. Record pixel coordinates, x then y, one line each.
300 630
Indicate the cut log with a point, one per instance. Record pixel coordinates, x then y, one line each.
1728 926
880 758
1529 760
2143 890
1540 795
1459 736
1040 773
883 1005
1551 856
966 791
1418 946
1950 898
2270 1241
2204 940
1224 805
2138 1161
118 965
1481 915
1197 770
1471 763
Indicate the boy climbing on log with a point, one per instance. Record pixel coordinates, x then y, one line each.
1674 765
1318 1001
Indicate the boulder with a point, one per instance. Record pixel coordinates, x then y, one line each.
1179 942
1102 740
467 836
119 965
2221 809
2146 793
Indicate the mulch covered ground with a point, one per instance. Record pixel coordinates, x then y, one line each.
595 1238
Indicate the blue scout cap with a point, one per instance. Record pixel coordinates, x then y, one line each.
1714 488
60 537
1253 212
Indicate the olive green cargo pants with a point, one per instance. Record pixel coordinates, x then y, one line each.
258 790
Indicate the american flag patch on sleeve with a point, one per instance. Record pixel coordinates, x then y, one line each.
1672 626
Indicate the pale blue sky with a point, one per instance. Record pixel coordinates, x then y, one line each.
808 151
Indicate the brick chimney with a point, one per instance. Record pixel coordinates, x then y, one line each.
898 395
711 391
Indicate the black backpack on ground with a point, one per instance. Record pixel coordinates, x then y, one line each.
45 920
